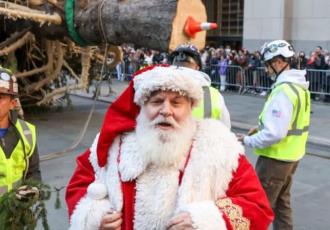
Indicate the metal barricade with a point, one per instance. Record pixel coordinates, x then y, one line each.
319 82
245 80
223 81
234 77
256 80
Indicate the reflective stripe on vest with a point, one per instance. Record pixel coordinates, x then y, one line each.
12 169
294 130
207 102
209 107
292 147
26 131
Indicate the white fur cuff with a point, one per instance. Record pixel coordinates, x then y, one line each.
205 215
88 214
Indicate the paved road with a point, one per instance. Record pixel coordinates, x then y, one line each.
58 130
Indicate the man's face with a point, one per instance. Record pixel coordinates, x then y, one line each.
7 103
167 110
317 50
165 128
268 67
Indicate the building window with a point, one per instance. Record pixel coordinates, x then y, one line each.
228 14
231 19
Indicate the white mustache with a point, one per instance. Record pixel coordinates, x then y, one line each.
169 120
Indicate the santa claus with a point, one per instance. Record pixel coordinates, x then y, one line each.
153 166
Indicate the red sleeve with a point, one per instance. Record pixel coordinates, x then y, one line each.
81 178
246 201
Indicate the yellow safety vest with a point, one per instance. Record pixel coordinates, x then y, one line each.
12 169
209 107
293 146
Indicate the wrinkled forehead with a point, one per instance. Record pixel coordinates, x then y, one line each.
169 94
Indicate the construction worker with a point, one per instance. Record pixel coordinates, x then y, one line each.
19 158
213 104
281 136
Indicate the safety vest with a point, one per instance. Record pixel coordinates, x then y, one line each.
209 107
292 147
12 170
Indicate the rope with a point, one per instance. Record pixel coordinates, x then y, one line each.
100 21
82 133
96 94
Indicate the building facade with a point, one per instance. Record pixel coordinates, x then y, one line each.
229 16
250 23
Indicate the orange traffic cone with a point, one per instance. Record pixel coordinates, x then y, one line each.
192 26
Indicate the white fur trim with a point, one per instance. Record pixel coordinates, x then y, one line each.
205 215
108 175
90 209
88 214
215 154
112 179
97 191
156 193
173 78
131 163
93 155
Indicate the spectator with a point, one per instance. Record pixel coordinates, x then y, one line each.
243 62
301 61
254 65
148 57
157 57
213 62
223 65
119 70
317 62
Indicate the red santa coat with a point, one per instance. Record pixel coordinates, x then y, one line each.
219 187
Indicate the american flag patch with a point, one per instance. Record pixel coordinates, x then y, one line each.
276 113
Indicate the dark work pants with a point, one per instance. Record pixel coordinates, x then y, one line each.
276 179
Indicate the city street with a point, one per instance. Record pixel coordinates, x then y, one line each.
66 61
57 130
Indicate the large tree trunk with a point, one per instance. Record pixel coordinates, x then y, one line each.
157 24
34 40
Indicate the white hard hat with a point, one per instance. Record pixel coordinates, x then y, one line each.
277 48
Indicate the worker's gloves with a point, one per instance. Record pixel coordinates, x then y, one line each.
27 193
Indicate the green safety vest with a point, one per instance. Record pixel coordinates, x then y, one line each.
293 146
12 169
209 107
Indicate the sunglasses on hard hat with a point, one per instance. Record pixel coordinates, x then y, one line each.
274 47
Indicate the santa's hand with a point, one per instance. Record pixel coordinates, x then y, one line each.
182 221
111 221
240 137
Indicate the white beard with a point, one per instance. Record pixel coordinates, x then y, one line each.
164 148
